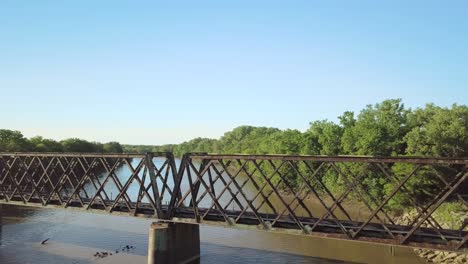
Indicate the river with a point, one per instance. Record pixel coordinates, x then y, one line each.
75 237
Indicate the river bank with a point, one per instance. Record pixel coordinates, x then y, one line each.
448 219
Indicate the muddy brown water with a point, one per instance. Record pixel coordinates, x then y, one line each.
75 237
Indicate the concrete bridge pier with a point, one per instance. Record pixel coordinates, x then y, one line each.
173 243
1 223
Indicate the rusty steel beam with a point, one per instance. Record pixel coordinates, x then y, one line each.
77 154
367 159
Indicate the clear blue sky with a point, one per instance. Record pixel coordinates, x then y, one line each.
154 72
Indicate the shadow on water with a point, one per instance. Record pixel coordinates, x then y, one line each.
213 253
75 237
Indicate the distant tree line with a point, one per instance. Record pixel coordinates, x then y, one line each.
14 141
384 129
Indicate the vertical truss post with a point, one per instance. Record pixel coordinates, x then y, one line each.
176 193
174 172
196 186
154 184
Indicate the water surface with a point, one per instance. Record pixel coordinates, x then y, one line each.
74 237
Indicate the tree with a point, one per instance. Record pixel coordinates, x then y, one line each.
378 131
41 144
327 137
288 142
112 147
13 141
439 132
80 145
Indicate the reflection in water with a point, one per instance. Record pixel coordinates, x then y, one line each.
76 236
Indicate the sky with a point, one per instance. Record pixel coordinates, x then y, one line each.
156 72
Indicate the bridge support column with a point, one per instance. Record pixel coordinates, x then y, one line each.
1 223
173 243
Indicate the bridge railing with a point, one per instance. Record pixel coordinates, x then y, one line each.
133 183
401 200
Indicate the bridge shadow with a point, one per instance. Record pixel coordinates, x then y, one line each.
213 254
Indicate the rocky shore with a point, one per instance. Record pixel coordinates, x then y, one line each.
455 220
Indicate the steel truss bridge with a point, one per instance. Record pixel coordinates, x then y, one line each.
272 192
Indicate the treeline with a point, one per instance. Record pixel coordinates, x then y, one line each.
14 141
384 129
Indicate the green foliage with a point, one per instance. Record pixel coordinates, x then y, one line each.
247 140
112 147
451 213
195 145
378 131
80 145
145 148
13 141
420 187
439 132
290 142
41 144
325 138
